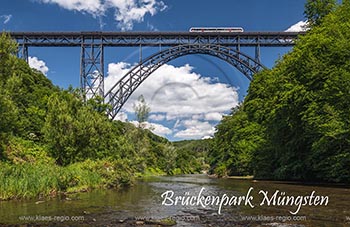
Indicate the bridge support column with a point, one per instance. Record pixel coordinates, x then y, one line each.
92 70
23 52
257 53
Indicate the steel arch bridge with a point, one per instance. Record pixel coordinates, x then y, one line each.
223 45
122 90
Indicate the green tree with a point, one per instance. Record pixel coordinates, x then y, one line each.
8 120
24 94
8 49
235 143
142 110
304 105
294 123
315 10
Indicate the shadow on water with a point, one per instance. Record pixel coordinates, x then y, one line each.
131 206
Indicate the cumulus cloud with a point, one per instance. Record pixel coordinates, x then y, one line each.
121 116
6 18
195 129
126 12
130 11
213 116
298 27
157 129
37 64
180 96
177 91
157 117
94 7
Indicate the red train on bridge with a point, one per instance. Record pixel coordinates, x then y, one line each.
216 29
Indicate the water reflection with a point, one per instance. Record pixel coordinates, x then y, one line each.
144 200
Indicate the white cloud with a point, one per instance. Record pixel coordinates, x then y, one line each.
157 129
130 11
37 64
121 116
213 116
195 129
6 18
177 91
157 117
179 95
126 12
117 70
298 27
197 116
93 7
151 27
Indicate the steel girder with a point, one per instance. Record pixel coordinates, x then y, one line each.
155 38
121 91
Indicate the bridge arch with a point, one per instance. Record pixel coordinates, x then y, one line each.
122 90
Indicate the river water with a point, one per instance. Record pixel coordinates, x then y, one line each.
143 201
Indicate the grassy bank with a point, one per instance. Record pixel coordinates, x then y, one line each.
28 180
29 172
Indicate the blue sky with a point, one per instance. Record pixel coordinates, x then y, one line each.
190 94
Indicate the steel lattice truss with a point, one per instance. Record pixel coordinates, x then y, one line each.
154 38
224 45
91 70
122 90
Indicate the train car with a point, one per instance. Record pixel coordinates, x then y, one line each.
216 29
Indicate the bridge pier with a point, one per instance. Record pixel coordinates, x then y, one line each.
92 69
22 51
257 53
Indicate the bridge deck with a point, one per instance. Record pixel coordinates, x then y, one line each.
155 38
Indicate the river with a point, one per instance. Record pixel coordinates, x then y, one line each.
143 202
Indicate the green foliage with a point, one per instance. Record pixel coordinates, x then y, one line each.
142 110
8 48
51 141
315 10
27 180
295 121
9 116
235 142
20 151
23 97
75 132
35 180
150 171
191 156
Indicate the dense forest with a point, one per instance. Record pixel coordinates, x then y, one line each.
294 123
51 141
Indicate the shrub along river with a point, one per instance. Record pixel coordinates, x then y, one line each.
189 200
